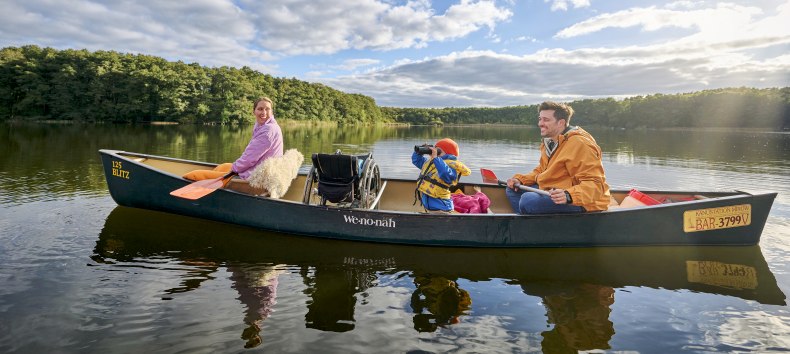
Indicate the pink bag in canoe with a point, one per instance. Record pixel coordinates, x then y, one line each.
477 203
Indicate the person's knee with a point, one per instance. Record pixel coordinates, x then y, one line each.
225 167
199 175
529 203
196 175
514 198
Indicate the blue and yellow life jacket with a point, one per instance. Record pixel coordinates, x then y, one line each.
432 185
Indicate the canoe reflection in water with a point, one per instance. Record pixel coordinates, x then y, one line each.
576 286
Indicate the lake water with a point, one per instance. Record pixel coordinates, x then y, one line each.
78 274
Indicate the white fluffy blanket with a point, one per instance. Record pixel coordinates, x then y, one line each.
275 174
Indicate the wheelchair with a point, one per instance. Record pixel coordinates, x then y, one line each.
347 181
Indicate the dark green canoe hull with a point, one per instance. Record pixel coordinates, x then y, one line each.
141 186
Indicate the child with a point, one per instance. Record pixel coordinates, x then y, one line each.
438 173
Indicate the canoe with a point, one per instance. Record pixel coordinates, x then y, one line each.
691 218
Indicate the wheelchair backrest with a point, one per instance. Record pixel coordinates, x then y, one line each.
338 177
336 168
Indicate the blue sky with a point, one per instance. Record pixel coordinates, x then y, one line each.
419 53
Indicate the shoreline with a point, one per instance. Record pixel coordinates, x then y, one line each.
287 122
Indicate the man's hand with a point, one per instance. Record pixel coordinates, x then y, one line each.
513 184
558 196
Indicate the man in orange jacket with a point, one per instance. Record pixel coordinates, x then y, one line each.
570 169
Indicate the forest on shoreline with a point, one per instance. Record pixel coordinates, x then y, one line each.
45 84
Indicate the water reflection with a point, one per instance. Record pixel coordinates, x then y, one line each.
257 288
437 302
332 291
579 313
576 286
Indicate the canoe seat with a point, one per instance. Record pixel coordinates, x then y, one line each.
343 180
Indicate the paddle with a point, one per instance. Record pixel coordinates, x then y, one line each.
490 177
200 189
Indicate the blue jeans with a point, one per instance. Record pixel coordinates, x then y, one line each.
533 203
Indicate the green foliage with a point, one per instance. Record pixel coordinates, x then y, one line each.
729 107
104 86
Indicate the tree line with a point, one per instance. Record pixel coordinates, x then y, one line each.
105 86
728 107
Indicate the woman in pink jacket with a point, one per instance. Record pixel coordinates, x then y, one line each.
266 142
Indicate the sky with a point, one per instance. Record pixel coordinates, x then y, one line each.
460 53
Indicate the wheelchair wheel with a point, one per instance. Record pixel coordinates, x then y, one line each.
369 183
310 196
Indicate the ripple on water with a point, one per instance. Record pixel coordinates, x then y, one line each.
753 331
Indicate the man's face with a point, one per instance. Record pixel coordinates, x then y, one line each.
549 126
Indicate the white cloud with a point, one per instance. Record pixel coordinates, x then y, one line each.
213 33
724 36
754 55
325 27
353 64
562 5
527 39
712 21
315 75
242 32
685 4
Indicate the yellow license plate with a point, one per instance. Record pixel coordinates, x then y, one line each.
717 218
727 275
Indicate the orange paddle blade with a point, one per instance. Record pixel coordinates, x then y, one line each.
488 176
199 189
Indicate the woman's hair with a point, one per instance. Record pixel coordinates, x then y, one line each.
267 99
